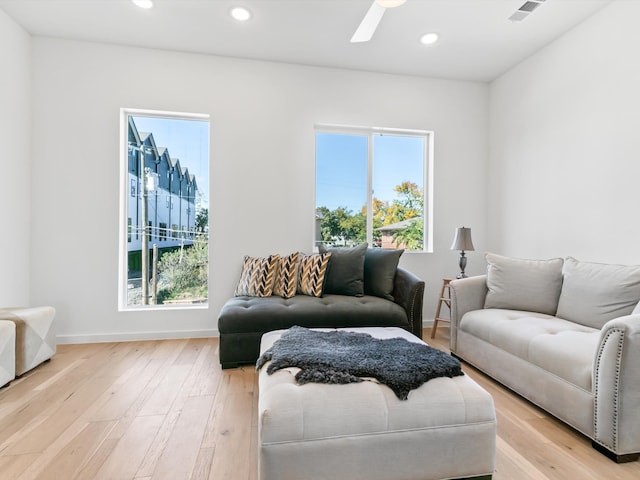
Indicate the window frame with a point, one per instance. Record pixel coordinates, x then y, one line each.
125 192
370 132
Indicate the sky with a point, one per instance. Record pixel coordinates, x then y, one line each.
341 167
341 160
186 140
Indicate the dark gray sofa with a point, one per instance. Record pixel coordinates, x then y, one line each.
243 320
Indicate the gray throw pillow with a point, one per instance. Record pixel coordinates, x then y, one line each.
345 272
594 293
380 267
518 284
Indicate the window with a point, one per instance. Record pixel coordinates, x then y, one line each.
163 231
165 162
373 185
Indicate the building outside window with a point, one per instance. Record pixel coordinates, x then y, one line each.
373 185
165 162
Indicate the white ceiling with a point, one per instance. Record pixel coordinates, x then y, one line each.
478 42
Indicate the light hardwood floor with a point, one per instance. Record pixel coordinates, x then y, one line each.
165 410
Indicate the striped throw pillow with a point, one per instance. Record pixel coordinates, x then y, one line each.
286 279
311 273
256 279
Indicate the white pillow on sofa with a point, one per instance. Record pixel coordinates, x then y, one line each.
594 293
518 284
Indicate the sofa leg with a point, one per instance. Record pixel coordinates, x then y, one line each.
628 457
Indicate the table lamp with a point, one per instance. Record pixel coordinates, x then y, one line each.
462 242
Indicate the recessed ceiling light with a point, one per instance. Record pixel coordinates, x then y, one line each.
143 3
390 3
240 13
429 38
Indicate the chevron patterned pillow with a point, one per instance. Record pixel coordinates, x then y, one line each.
286 277
256 279
311 272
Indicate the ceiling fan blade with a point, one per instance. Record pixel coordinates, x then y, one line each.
369 23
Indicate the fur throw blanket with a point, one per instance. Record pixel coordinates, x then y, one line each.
346 357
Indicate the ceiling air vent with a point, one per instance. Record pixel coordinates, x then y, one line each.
524 11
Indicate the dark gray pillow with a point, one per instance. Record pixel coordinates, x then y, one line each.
380 267
345 272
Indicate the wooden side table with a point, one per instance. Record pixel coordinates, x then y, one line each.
445 297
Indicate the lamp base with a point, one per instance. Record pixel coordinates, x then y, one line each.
463 265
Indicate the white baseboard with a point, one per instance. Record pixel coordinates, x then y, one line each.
135 336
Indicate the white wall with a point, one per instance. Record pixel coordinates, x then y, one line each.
15 209
262 167
564 149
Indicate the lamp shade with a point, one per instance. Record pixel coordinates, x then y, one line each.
462 241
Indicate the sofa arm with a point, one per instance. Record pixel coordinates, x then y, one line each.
616 388
408 292
467 294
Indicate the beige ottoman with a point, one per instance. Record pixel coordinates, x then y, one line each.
445 430
7 352
35 336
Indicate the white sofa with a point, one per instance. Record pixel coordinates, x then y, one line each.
564 334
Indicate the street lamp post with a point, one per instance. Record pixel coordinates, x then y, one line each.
145 230
147 184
